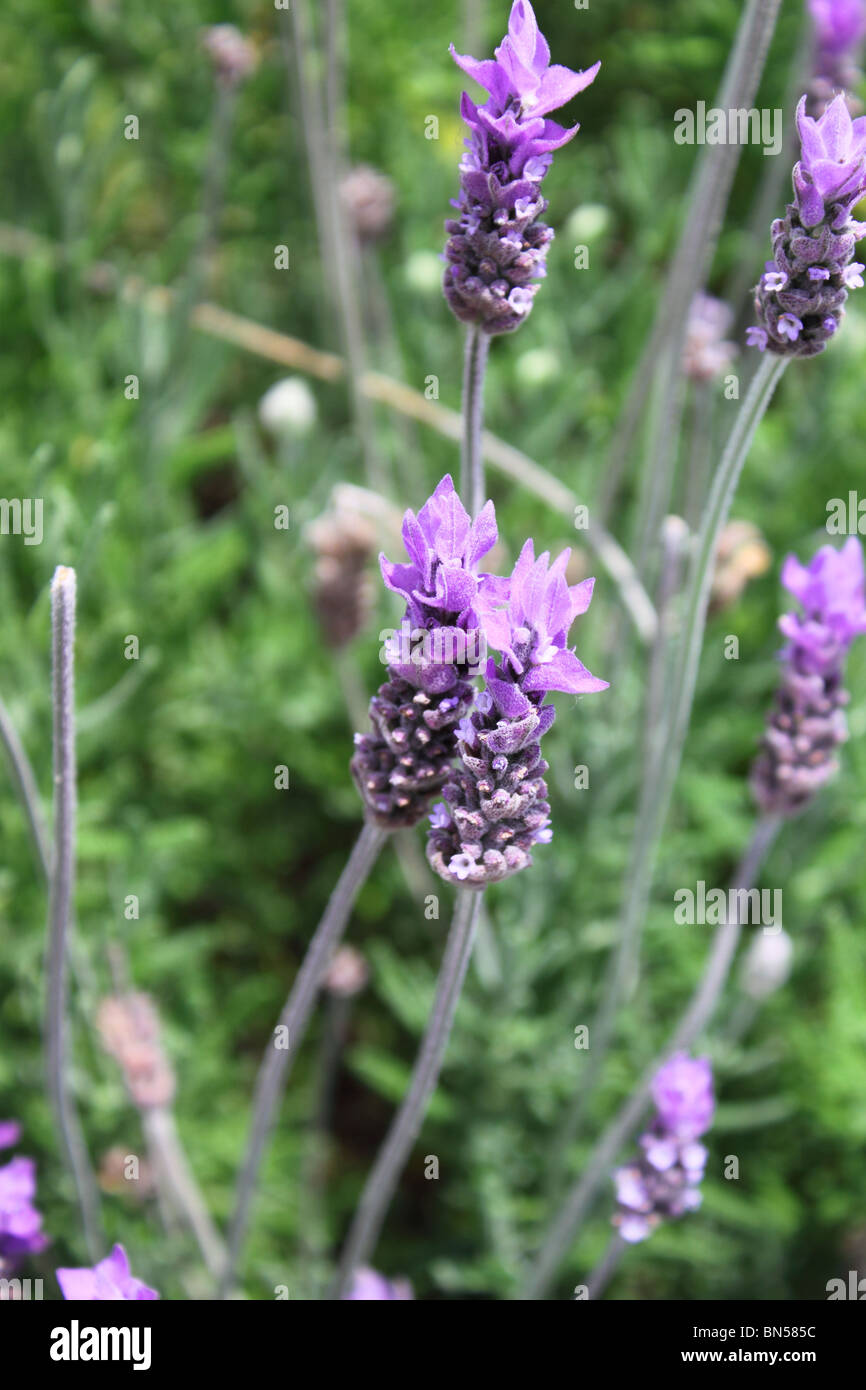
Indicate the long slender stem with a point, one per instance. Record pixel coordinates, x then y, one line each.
702 221
28 791
283 1046
565 1225
472 452
176 1180
339 250
664 763
391 1160
60 910
606 1268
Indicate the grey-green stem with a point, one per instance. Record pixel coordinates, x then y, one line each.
564 1227
391 1160
60 911
472 453
286 1038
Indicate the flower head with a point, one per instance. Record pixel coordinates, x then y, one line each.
496 807
799 300
807 722
109 1281
497 248
663 1180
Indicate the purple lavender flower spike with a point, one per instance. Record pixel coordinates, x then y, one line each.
20 1223
664 1180
405 761
839 28
370 1287
110 1281
497 247
807 722
496 806
799 300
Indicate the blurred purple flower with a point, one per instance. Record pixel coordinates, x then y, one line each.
368 1286
497 247
10 1133
663 1181
807 722
799 301
497 799
20 1222
110 1281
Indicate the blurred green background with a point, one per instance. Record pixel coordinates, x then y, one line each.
165 505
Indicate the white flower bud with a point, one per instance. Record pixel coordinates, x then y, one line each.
767 964
288 407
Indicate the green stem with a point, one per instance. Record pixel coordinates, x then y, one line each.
391 1160
472 453
286 1038
564 1228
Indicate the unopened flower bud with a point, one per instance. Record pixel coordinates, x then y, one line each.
767 963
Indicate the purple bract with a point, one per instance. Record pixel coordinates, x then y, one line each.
109 1281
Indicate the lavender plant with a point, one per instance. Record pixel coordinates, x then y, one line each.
497 247
807 723
799 301
664 1181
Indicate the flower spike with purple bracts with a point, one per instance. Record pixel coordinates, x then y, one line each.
496 807
497 247
799 301
406 760
109 1281
807 722
664 1180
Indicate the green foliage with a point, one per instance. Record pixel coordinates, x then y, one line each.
164 504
